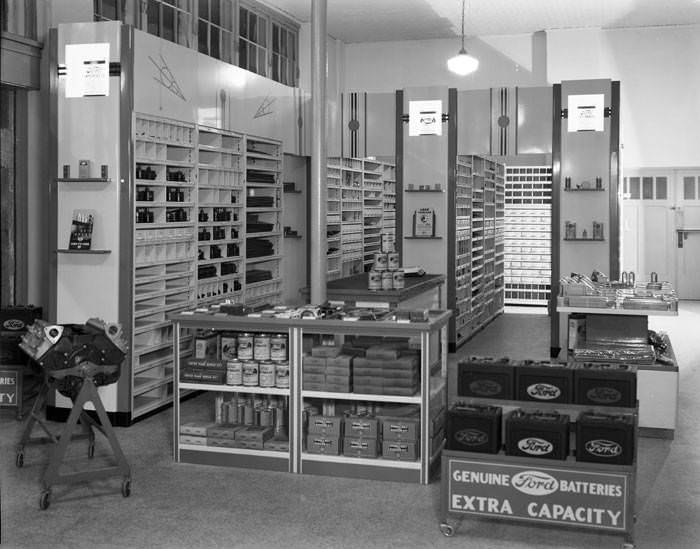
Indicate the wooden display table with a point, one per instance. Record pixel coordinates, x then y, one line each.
419 292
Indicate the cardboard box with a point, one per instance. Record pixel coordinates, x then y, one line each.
360 447
400 382
338 370
361 427
367 380
224 431
223 442
344 361
255 433
326 351
326 425
367 371
323 444
313 361
308 386
206 346
367 389
401 450
338 387
382 352
314 369
336 379
251 444
196 428
403 429
277 445
360 362
400 391
313 378
194 440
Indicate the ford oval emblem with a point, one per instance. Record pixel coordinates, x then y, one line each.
535 446
14 324
485 387
535 483
604 395
543 391
471 437
603 448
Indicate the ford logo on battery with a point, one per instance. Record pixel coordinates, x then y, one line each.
535 483
485 387
543 391
604 395
14 324
603 448
471 437
535 446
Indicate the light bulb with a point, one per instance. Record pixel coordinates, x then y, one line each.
462 63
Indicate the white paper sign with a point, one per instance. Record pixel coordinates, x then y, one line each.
87 69
586 113
425 117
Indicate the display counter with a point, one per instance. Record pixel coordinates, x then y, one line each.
427 397
418 292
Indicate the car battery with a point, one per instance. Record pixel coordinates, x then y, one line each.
474 428
544 382
605 384
605 438
13 325
360 447
537 434
484 377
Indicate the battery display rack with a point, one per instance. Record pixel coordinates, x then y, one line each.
530 427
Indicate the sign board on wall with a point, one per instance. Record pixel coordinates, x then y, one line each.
425 117
584 498
586 113
87 69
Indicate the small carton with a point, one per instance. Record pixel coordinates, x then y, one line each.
326 425
196 428
402 429
360 447
361 427
323 444
401 450
206 346
194 440
344 361
326 351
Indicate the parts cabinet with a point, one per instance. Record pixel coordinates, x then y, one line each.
430 338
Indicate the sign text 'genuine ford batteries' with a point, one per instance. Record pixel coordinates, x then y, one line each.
542 494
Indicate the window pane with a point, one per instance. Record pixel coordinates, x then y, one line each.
661 188
168 23
262 32
214 42
647 188
153 17
285 38
226 46
204 9
183 23
203 43
625 186
275 66
109 9
634 188
227 15
275 38
242 54
243 22
252 59
253 27
215 14
689 188
262 67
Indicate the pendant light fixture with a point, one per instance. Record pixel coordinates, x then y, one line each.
462 63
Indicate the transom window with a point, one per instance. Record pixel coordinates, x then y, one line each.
215 29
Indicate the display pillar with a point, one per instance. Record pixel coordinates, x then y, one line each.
585 187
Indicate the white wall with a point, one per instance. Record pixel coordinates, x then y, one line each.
659 74
388 66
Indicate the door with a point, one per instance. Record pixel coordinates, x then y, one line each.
687 245
648 224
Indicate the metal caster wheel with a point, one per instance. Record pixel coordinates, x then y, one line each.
447 530
19 461
44 500
126 487
91 451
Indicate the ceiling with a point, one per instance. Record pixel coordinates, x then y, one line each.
353 21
